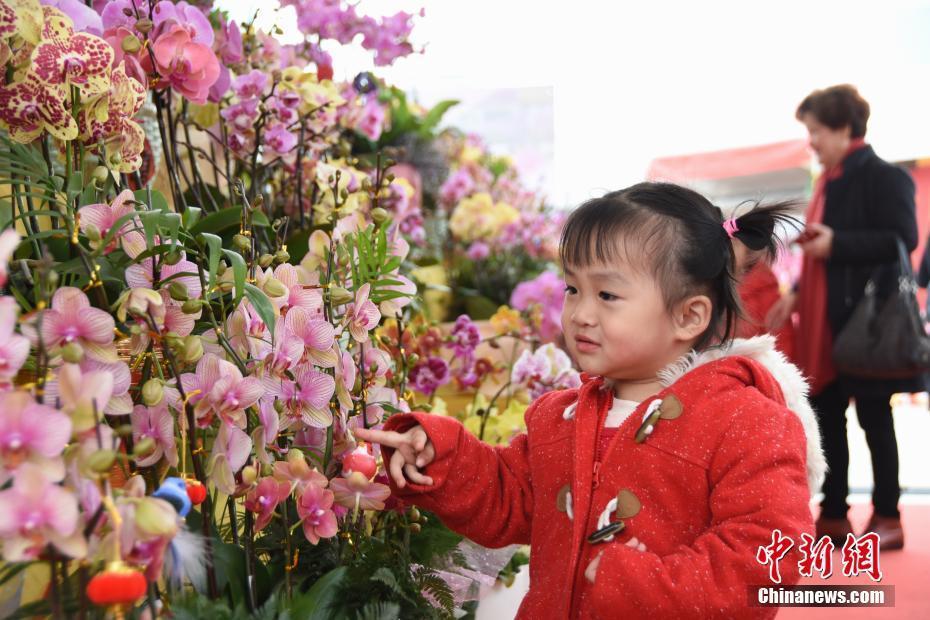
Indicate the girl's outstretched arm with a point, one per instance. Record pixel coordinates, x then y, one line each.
480 491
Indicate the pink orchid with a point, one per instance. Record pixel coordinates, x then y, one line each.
140 275
124 13
218 388
247 330
34 512
189 17
357 492
278 139
363 315
264 498
251 85
310 299
231 450
84 18
315 509
102 217
14 349
228 43
168 316
84 395
241 116
189 67
392 307
283 355
317 335
120 401
9 241
156 423
297 472
345 376
65 58
307 397
71 319
31 433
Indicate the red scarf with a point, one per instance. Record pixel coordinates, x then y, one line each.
813 350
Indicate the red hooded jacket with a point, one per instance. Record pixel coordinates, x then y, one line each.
712 483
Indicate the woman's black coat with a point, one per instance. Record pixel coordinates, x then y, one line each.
867 207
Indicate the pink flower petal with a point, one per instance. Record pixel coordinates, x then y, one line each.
70 300
97 325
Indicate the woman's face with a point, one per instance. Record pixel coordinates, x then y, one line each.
830 145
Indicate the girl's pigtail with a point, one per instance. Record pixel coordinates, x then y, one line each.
756 228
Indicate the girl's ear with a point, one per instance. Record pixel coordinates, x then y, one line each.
691 317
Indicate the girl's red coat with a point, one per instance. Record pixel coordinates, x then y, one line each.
713 483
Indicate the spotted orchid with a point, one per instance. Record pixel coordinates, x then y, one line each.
66 58
30 107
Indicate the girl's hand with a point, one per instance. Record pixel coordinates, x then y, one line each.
590 573
780 311
412 450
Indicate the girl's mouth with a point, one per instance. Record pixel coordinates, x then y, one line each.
585 345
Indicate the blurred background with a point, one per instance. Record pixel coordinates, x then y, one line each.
585 95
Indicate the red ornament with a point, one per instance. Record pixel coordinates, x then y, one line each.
117 585
196 492
361 461
324 72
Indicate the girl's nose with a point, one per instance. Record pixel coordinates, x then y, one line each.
583 314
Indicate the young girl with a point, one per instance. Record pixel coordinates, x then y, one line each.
649 490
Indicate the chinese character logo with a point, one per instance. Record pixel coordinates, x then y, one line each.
860 555
773 553
816 556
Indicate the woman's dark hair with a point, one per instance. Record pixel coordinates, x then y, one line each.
679 237
837 107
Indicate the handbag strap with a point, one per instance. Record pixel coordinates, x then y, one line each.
906 282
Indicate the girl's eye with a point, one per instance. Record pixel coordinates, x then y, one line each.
570 290
607 296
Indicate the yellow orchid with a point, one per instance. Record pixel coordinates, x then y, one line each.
506 321
478 217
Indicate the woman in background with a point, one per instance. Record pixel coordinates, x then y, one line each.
861 205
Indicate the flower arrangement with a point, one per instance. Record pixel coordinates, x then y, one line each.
208 256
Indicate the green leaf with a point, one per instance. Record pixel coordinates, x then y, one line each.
191 217
434 116
89 195
315 604
150 221
262 305
75 185
225 219
239 272
158 201
215 245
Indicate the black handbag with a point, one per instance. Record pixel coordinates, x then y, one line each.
885 337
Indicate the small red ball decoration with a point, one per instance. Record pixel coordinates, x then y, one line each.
196 492
361 461
118 584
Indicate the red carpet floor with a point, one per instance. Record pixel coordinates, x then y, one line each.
908 571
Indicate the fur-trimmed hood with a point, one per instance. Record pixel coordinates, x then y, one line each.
793 386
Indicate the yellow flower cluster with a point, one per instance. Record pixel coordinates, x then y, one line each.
479 218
